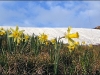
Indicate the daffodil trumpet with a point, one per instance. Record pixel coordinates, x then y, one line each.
73 35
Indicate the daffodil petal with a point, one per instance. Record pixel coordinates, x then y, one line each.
74 35
12 29
69 28
70 41
21 31
17 28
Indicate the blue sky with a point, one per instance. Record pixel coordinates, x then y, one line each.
78 14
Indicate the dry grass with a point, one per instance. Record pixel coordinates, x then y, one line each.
83 60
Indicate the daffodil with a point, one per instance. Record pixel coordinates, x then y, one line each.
76 43
16 34
26 37
53 41
43 37
47 42
2 31
71 47
73 35
70 36
83 42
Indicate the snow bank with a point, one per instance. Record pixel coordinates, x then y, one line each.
90 36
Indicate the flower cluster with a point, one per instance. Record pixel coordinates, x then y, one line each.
71 43
17 35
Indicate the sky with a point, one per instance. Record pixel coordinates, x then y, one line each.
78 14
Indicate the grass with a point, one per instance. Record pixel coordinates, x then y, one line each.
32 57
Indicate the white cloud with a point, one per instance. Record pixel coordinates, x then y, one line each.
33 14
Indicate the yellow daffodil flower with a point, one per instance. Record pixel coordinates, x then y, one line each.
16 34
47 42
53 41
26 37
43 37
76 43
71 47
2 31
73 35
70 36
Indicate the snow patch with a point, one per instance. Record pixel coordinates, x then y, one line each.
90 36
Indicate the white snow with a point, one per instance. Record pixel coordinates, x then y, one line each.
90 36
